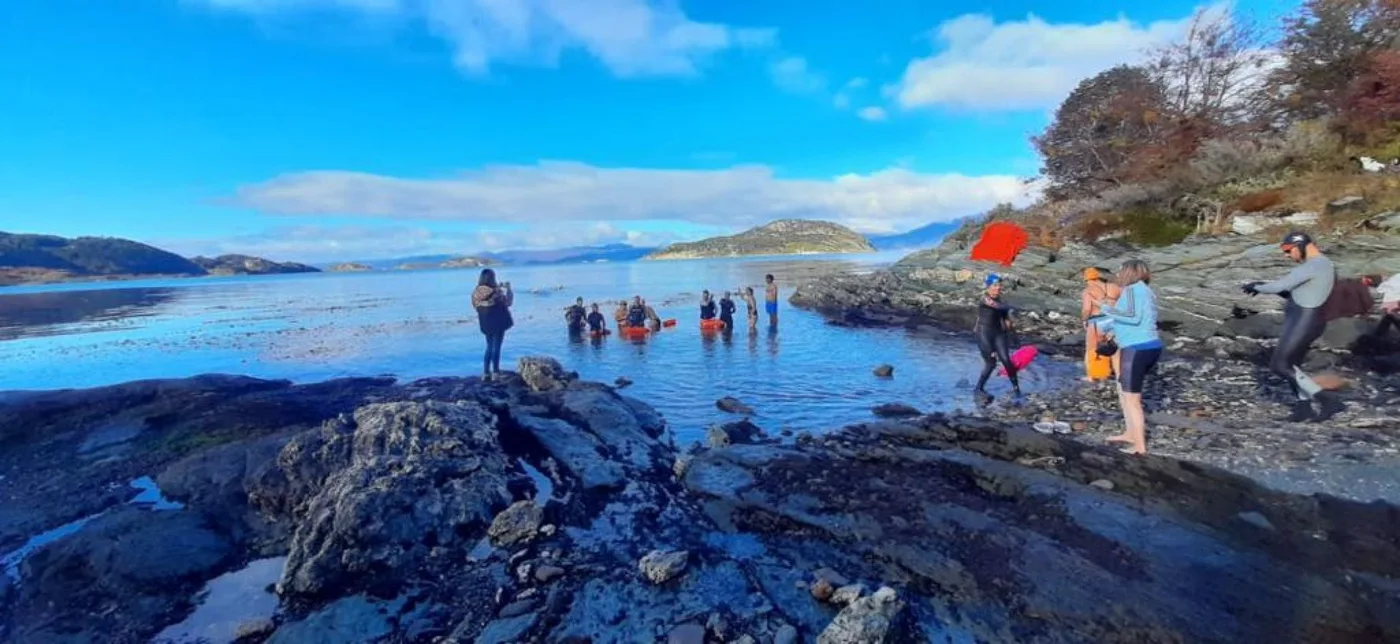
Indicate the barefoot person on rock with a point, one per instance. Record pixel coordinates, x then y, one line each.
1306 288
492 303
1133 319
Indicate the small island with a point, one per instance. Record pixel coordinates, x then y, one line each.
456 262
30 259
349 267
782 237
249 265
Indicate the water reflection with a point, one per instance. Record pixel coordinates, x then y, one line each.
25 315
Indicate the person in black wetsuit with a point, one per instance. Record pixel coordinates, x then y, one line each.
575 316
637 313
993 331
597 324
1306 288
707 306
726 311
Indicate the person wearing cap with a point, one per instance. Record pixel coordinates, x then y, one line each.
993 327
1306 287
1096 289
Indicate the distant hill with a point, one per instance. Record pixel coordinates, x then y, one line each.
783 237
248 265
571 255
921 237
48 258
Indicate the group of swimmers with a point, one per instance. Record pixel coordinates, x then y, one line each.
1120 318
639 314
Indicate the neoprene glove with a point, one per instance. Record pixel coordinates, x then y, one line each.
1251 288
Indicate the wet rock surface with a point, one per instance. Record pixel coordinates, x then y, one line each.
415 513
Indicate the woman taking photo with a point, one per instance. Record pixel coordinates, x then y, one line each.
1134 321
492 304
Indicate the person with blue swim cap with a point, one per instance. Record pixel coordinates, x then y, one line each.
993 330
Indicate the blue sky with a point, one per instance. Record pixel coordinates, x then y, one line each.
338 129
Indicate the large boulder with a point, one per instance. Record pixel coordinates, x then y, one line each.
544 374
386 490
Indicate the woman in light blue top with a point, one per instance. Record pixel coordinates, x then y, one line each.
1134 321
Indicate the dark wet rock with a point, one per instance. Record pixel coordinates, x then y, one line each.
257 629
543 374
215 482
546 574
351 620
578 450
895 410
131 558
877 619
517 524
660 567
731 405
388 487
741 432
506 631
884 371
622 382
518 607
686 634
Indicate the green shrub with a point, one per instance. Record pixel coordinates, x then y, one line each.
1150 228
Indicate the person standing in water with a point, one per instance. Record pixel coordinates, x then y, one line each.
653 320
1096 289
993 330
707 306
1307 288
637 313
620 314
770 300
751 305
726 311
1133 317
492 304
575 316
597 324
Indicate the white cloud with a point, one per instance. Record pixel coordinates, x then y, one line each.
843 98
1023 65
545 194
324 244
630 37
872 113
795 75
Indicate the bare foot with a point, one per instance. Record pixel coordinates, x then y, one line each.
1120 438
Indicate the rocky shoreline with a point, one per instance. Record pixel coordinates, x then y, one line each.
1213 401
544 509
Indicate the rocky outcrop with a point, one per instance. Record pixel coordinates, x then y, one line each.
455 262
453 509
783 237
50 258
249 265
1197 283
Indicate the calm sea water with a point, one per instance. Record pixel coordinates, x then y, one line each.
805 376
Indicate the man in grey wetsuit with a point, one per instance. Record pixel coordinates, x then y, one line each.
1306 288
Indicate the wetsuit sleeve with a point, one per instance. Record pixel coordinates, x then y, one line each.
1130 314
1295 278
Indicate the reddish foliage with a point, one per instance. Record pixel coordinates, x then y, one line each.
1257 201
1372 104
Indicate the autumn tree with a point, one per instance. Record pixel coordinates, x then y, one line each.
1371 107
1091 143
1326 45
1212 75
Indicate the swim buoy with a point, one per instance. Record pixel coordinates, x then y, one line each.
600 333
635 331
669 323
1022 358
711 325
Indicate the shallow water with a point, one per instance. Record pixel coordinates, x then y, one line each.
807 375
227 602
